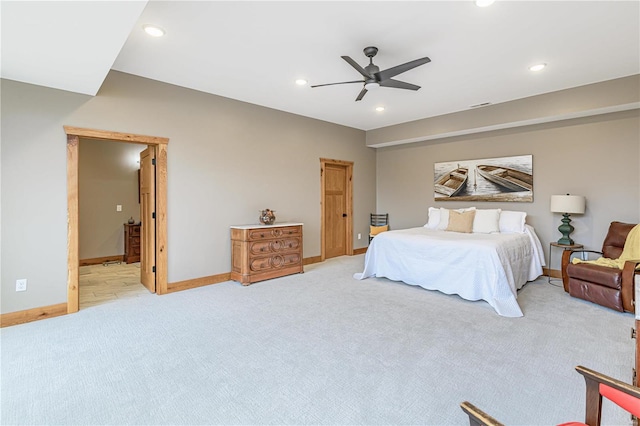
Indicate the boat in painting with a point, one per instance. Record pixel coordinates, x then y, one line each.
506 177
452 183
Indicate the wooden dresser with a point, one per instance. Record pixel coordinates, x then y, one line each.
131 243
262 252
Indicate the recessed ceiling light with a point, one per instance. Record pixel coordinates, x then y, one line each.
153 30
484 3
380 108
301 82
537 67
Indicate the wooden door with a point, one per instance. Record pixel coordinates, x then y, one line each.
147 217
335 210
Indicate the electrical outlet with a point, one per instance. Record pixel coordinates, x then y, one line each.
21 285
118 207
359 236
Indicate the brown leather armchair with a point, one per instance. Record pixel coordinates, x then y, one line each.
610 287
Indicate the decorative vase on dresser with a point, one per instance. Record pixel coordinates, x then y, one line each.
262 252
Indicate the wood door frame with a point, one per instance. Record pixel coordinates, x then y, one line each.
73 141
349 205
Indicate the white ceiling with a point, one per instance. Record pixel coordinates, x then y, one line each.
253 51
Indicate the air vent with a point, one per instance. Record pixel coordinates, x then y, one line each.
480 105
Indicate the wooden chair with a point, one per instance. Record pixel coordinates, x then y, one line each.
379 223
597 385
477 417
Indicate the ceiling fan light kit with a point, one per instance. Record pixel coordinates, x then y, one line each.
374 78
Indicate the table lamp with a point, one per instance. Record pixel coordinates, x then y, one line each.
567 204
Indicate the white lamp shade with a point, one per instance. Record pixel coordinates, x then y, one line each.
574 204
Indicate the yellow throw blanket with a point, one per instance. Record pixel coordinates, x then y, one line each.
631 251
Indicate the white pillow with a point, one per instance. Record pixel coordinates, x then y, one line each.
487 221
444 217
512 222
434 218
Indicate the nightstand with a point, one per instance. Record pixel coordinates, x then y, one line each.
563 247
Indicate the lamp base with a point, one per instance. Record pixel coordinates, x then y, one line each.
565 229
566 241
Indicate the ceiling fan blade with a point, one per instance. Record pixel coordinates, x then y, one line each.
391 72
396 84
358 68
342 82
361 95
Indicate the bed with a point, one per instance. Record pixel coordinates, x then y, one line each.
475 266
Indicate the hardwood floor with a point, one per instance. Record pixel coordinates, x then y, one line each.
104 284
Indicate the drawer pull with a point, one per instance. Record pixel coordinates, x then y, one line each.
290 245
261 235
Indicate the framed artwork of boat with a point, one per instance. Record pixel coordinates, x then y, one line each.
488 179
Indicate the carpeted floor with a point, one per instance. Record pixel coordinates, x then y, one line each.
315 348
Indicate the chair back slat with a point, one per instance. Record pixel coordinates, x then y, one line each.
379 219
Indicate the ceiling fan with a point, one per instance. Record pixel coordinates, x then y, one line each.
373 77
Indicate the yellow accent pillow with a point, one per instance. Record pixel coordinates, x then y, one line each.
461 222
375 230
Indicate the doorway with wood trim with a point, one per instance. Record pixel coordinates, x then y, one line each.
158 231
336 182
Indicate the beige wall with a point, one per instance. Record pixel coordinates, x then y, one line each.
108 176
596 157
226 160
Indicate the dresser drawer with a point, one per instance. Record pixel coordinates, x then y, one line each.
273 246
267 233
262 264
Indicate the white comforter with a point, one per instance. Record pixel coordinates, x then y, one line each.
489 267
